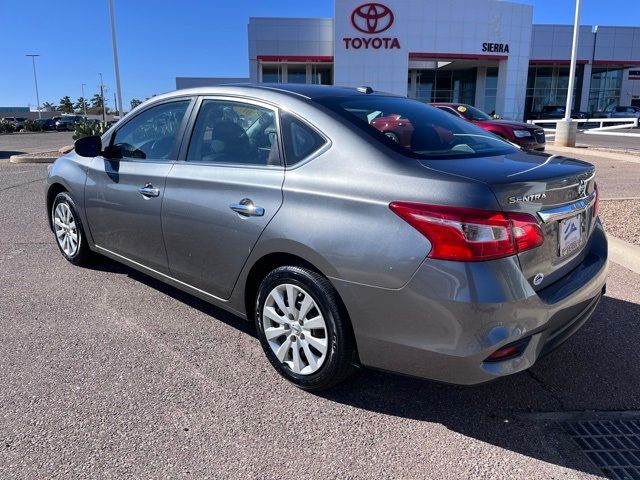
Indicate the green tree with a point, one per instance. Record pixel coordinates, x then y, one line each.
135 102
52 107
96 101
66 105
81 105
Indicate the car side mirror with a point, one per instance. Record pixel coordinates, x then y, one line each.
89 146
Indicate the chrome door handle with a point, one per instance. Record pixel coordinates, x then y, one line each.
246 208
149 191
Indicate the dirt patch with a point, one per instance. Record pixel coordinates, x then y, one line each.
621 219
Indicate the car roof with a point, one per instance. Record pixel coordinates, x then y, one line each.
301 91
448 104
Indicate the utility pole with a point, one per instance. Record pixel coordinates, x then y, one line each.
115 57
84 101
566 130
104 114
35 79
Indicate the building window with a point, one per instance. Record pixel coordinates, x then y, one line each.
491 90
605 88
442 85
547 85
272 73
317 73
321 74
297 73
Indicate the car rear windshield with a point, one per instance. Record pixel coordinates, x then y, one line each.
416 129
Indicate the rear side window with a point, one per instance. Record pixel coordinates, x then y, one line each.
300 140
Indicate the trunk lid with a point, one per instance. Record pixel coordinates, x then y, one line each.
558 191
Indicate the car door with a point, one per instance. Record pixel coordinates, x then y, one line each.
125 187
219 199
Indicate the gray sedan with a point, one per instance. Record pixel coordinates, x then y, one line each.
452 256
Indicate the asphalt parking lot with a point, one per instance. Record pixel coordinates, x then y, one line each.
27 142
107 373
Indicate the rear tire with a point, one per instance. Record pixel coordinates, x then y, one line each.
304 328
68 230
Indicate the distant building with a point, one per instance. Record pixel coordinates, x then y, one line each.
487 53
192 82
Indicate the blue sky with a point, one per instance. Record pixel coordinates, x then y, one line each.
160 40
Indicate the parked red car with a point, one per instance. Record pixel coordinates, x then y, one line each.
400 130
525 135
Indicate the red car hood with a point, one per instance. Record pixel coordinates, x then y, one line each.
505 123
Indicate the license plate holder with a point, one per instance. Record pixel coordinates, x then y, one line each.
570 235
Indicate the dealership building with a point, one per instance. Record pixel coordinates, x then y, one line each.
486 53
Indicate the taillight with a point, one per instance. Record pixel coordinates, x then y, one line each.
468 234
594 211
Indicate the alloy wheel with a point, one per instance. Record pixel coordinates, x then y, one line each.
67 233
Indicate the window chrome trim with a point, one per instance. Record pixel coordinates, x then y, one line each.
569 210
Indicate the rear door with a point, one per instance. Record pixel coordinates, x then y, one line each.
224 192
125 188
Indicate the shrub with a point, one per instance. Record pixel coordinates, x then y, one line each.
6 127
87 129
32 126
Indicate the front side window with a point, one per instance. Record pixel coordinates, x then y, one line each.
150 135
234 133
416 129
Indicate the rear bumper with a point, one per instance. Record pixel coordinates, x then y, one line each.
451 316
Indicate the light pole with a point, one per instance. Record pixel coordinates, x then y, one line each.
104 116
84 101
115 57
566 129
35 79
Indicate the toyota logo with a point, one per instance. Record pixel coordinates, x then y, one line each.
372 18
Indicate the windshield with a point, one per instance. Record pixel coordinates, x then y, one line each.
472 113
416 129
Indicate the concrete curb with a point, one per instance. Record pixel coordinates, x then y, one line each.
33 158
570 151
624 253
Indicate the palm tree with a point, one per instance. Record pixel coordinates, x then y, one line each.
51 107
96 101
81 105
66 105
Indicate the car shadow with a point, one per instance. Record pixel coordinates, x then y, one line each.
104 264
4 154
595 370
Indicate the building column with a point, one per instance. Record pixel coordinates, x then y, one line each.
481 84
586 86
512 87
626 88
413 84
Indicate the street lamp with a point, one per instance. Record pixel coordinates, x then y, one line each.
115 57
35 79
566 130
84 101
104 107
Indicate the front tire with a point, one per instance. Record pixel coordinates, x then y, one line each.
304 329
68 230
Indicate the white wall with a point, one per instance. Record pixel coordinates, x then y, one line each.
433 26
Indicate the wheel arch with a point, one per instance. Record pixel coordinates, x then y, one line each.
53 190
270 262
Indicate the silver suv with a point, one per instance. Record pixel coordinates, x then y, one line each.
451 255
